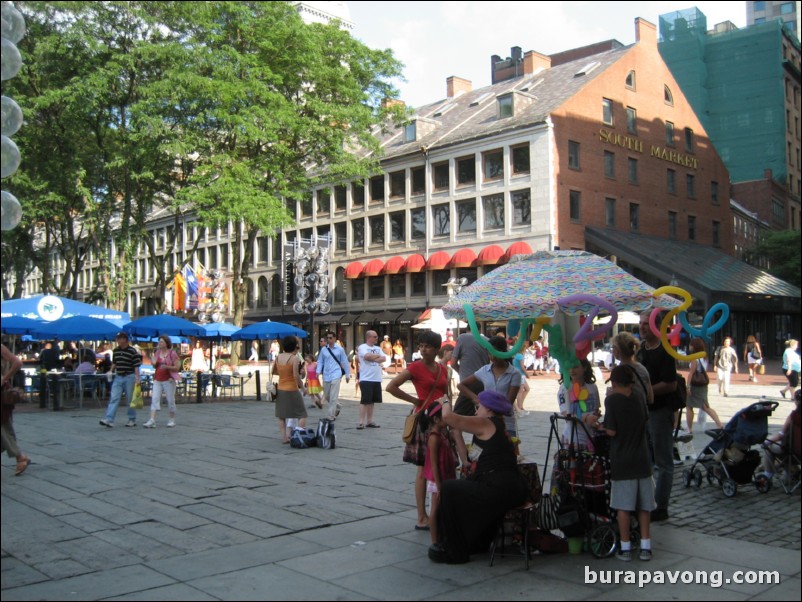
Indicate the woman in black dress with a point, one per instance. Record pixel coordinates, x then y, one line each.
471 508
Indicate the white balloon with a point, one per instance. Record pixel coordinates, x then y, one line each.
13 23
11 211
9 156
11 117
10 60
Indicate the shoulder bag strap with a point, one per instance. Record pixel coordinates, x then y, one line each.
335 359
425 404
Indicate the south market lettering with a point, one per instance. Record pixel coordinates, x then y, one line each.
659 152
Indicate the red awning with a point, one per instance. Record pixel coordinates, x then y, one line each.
373 267
491 255
438 261
464 258
415 263
427 313
354 270
518 248
394 265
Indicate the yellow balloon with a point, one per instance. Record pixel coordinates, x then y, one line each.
669 318
539 323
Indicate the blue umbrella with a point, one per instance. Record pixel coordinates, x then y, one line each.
153 326
19 325
267 330
219 330
77 328
51 307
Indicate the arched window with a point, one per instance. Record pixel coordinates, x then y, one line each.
668 96
275 294
630 82
250 301
261 299
339 285
133 306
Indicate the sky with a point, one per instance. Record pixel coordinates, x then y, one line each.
435 40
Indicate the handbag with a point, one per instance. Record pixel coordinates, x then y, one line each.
136 402
411 421
546 513
699 378
11 397
761 369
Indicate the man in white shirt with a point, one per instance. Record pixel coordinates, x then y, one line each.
371 359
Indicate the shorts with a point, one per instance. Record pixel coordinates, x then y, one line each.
633 494
371 392
793 379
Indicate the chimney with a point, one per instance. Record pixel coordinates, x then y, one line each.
534 61
388 103
456 86
645 31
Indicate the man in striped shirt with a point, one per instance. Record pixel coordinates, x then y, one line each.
125 366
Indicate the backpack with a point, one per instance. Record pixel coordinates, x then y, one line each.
302 438
681 395
325 436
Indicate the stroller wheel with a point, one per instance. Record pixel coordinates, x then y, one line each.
697 478
687 477
729 487
763 482
602 540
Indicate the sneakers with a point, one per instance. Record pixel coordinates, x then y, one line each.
337 409
782 392
131 423
150 424
170 423
107 423
645 555
624 555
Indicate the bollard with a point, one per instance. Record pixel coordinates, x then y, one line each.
198 388
43 389
258 385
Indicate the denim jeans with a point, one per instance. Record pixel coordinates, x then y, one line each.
120 383
661 431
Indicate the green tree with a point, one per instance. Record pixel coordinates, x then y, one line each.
780 250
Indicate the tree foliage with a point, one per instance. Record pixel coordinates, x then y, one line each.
781 249
222 110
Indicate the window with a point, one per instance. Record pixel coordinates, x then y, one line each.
716 234
398 229
668 97
358 234
323 201
607 111
417 218
778 210
441 220
261 299
609 212
439 280
690 183
505 106
575 201
262 246
669 133
398 285
786 8
357 289
466 171
632 170
691 227
689 145
672 225
466 216
377 189
376 230
410 132
418 180
573 154
339 285
398 185
306 207
630 81
376 287
493 209
671 181
521 208
418 281
357 194
441 176
341 237
714 192
634 210
520 159
609 164
493 165
632 121
340 198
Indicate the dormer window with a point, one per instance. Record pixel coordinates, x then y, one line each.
505 108
411 131
668 97
630 81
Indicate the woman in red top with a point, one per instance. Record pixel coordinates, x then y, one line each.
167 364
430 380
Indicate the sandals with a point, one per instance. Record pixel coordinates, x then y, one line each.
373 425
22 465
359 427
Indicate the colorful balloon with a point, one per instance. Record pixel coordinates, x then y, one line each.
585 333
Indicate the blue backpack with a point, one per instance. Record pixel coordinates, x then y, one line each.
302 438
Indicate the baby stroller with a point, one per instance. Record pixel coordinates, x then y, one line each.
783 455
581 483
729 460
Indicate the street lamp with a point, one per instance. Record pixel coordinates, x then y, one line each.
453 288
310 261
